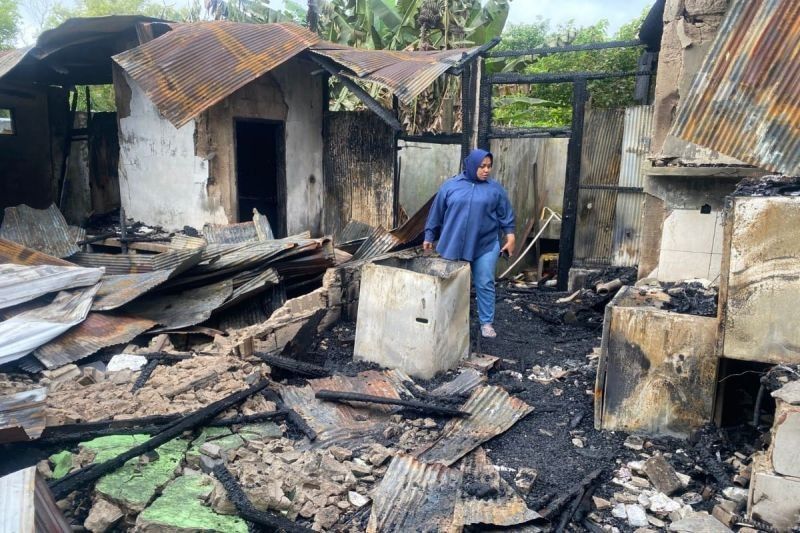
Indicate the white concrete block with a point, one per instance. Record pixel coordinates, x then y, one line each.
676 265
413 314
689 230
776 500
785 456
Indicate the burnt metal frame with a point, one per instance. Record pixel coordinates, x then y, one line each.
580 96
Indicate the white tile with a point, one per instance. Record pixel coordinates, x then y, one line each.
676 266
689 230
718 235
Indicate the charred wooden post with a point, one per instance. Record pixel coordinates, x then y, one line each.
75 480
428 408
293 366
291 415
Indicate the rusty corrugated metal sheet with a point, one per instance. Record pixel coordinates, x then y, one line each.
116 291
493 410
378 243
194 66
247 285
353 231
744 101
22 283
186 308
404 73
27 505
628 222
45 230
337 422
22 415
13 252
96 332
600 166
415 496
255 230
11 58
120 264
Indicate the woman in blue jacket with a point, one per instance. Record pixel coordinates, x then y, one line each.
468 214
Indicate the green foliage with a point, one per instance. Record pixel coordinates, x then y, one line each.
556 110
99 8
9 23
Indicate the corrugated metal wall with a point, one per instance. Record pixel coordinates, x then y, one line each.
358 170
597 200
628 221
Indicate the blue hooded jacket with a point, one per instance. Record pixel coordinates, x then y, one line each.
468 213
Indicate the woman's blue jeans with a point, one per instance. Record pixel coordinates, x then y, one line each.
483 269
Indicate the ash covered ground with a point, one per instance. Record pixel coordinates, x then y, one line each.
558 440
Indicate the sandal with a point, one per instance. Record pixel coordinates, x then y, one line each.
487 331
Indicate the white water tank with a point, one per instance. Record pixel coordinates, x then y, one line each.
413 314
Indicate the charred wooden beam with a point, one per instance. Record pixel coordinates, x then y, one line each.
429 408
245 507
76 480
304 337
293 366
144 375
549 50
555 507
291 415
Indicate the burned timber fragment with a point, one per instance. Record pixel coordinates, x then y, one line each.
432 409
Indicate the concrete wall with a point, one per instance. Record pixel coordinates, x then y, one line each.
27 161
175 177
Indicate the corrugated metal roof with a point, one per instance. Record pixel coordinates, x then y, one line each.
21 283
466 381
96 332
22 415
11 58
13 252
256 283
493 410
337 422
744 101
628 221
378 243
255 230
116 291
186 308
45 230
415 496
27 505
119 264
353 231
405 73
23 333
194 66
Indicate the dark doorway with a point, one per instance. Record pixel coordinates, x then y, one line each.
261 171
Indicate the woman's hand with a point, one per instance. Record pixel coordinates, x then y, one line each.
427 246
509 246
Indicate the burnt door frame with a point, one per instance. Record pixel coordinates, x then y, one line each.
279 227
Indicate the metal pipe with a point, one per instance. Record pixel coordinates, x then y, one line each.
553 215
608 287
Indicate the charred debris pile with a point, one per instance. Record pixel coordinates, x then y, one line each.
206 381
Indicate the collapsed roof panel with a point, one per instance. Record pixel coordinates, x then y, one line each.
22 415
20 284
44 230
13 252
194 66
744 100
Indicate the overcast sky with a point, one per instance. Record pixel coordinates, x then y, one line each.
585 12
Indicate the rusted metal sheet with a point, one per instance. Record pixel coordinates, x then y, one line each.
337 422
11 58
744 100
248 284
222 258
464 383
255 230
44 230
405 73
502 507
119 264
415 496
353 232
628 221
13 252
493 410
413 228
96 332
19 283
600 167
194 66
760 282
657 369
31 328
22 415
186 308
27 505
358 178
378 243
116 291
